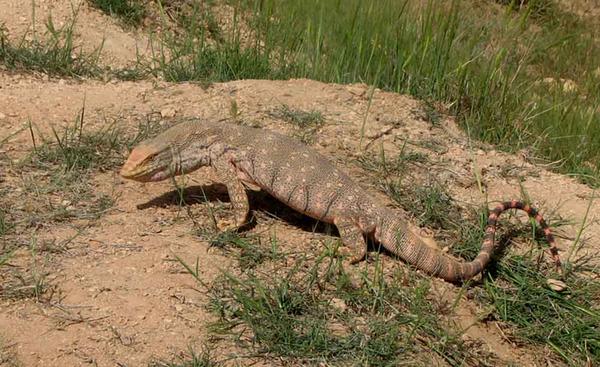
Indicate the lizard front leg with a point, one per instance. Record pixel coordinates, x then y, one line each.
228 175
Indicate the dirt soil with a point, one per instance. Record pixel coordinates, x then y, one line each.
121 298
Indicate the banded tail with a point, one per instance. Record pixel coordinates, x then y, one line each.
398 239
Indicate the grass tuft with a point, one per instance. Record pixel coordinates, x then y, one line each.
507 76
514 284
567 322
307 122
4 223
130 12
191 359
299 118
316 316
251 253
77 149
55 54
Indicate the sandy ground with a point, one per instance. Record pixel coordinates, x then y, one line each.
120 299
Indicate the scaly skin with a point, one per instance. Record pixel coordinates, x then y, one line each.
306 181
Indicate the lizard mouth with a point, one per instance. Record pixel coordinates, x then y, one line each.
137 167
134 173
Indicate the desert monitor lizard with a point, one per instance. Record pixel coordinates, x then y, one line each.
306 181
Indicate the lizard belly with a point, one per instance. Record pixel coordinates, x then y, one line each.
314 205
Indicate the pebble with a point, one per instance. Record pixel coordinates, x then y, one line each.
168 112
556 285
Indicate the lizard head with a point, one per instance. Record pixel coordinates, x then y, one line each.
174 152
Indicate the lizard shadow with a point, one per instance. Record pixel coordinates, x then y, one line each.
265 204
260 201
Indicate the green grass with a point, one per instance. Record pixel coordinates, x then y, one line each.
299 118
514 288
130 12
192 359
251 251
515 283
76 148
306 122
463 56
567 322
57 185
24 282
309 314
54 54
4 223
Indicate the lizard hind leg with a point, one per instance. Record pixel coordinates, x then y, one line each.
352 237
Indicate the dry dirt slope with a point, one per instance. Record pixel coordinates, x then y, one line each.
119 298
116 275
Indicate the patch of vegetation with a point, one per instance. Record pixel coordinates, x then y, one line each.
312 314
507 76
531 313
54 54
385 166
21 285
307 122
4 223
76 149
566 322
201 52
5 257
192 359
516 283
8 354
27 283
251 252
130 12
57 186
204 63
431 205
299 118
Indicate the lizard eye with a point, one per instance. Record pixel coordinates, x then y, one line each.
150 157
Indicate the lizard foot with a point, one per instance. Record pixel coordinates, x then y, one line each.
227 225
353 276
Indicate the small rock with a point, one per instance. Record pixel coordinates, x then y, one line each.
338 303
2 116
556 285
65 203
549 80
569 85
168 112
